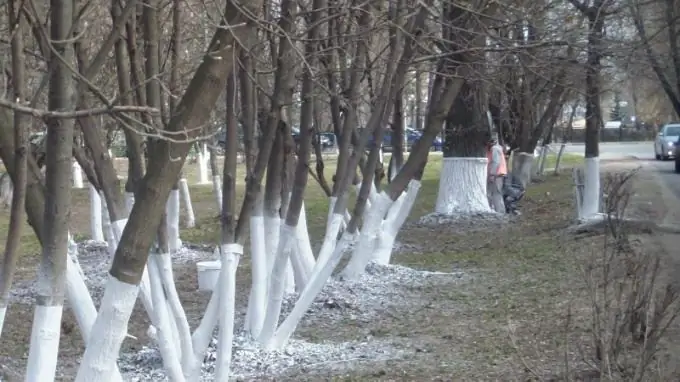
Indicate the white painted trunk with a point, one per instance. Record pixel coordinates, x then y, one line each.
217 190
522 167
314 287
329 242
257 301
396 217
272 227
117 228
304 245
231 254
367 237
186 199
172 221
179 317
591 188
107 227
544 154
44 348
99 361
203 333
202 165
164 329
96 231
3 312
129 201
277 281
77 175
462 187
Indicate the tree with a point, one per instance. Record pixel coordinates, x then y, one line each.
616 113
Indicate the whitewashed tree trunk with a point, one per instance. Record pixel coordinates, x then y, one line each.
544 155
165 339
272 227
367 237
314 287
396 217
304 246
329 241
172 209
257 301
591 189
44 347
231 254
107 227
188 360
186 199
202 160
77 175
96 230
522 166
99 361
217 190
277 280
462 187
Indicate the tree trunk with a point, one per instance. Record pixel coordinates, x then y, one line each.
21 152
591 192
44 348
128 265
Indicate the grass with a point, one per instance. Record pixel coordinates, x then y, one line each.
524 273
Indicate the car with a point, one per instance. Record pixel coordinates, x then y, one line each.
666 142
326 140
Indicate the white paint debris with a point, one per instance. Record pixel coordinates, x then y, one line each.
363 300
465 222
94 260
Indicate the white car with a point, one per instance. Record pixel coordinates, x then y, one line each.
664 145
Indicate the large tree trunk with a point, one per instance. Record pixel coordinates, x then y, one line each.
132 252
463 181
462 185
44 348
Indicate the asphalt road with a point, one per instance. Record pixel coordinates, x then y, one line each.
616 150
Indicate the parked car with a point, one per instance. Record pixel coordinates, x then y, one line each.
326 140
666 142
411 137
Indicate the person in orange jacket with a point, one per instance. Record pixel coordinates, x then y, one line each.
497 171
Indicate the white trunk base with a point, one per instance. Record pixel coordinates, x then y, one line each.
277 282
77 175
172 221
96 230
217 190
101 353
367 237
462 187
42 356
231 254
396 217
522 165
186 199
107 227
257 301
165 334
202 165
3 312
316 283
591 188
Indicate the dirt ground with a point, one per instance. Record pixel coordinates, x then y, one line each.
521 312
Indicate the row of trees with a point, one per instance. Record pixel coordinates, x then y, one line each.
358 67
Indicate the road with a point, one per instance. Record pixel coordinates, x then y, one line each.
616 150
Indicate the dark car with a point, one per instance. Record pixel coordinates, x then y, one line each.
411 137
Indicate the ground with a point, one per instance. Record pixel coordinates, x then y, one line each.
505 301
